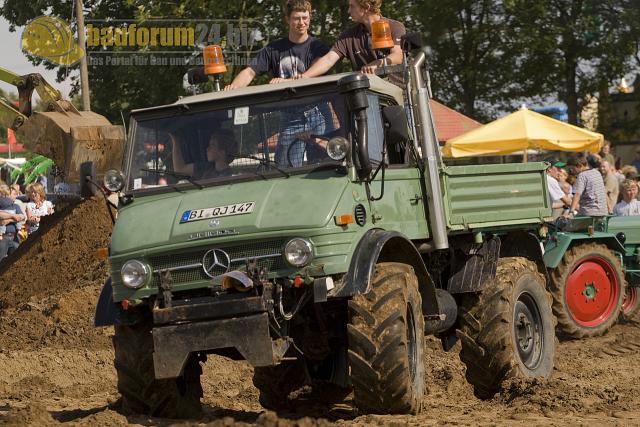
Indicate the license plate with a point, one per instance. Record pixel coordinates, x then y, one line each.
219 211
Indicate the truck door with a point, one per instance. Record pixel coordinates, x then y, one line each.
398 203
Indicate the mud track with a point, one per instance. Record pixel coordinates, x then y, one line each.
55 368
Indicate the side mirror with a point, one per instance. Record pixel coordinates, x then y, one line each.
396 123
196 75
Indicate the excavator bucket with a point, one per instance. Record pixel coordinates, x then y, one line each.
67 136
71 138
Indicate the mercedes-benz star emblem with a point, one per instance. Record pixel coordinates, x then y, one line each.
216 262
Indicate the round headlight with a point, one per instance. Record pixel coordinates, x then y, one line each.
134 274
113 180
298 252
337 148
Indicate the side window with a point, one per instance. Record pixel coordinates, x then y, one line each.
375 128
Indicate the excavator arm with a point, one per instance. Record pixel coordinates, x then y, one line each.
67 136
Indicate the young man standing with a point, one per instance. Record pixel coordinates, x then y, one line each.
355 43
288 57
589 191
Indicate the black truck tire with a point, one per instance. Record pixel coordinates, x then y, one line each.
386 343
588 289
508 329
275 383
141 392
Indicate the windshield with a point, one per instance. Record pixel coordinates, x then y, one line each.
247 140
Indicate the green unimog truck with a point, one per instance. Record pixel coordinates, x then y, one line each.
319 237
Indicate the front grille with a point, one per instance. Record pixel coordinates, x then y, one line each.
193 260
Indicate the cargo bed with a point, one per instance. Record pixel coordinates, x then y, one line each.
481 196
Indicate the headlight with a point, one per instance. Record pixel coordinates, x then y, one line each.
134 274
337 148
298 252
113 180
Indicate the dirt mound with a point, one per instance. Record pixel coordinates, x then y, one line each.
56 368
60 259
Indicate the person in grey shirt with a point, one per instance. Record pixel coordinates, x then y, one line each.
589 191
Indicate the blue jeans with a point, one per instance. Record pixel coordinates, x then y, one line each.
290 149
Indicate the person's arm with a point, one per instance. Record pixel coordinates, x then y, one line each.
396 56
576 201
31 218
6 217
178 161
322 65
243 79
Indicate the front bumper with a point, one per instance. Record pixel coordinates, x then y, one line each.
248 334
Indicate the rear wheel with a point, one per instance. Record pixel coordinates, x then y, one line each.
588 291
508 329
630 305
141 392
386 343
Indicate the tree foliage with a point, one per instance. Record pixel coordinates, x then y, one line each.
572 48
485 55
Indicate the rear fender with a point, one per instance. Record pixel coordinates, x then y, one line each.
387 246
557 245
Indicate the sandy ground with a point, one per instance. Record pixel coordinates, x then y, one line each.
55 368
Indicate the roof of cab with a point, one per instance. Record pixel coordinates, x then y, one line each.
376 83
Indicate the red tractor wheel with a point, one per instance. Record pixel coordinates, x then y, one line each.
630 305
588 290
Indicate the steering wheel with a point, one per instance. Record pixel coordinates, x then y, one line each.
298 148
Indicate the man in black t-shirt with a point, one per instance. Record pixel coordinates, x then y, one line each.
355 43
288 57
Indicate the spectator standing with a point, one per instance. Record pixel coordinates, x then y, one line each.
558 199
37 207
605 153
611 184
10 215
629 204
563 180
589 192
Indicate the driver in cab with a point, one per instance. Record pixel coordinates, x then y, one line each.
219 154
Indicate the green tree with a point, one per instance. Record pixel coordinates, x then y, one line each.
572 48
471 60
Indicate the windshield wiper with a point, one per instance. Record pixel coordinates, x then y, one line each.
264 162
175 175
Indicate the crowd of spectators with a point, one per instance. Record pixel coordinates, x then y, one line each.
20 214
592 185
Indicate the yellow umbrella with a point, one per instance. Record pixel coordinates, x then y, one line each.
520 131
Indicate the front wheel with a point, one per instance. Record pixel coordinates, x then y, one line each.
507 330
141 392
386 343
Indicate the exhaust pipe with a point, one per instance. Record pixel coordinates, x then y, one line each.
430 152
